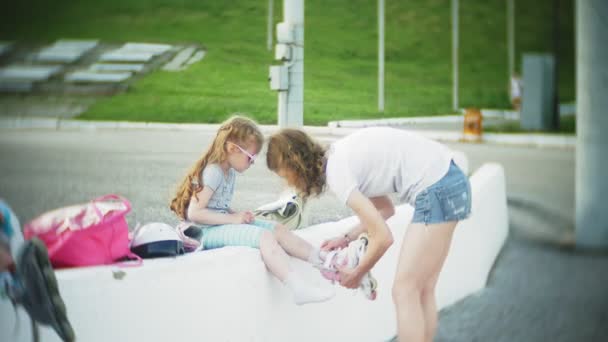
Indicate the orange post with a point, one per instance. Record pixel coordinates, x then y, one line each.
472 124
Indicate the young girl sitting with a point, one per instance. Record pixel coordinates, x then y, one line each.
204 196
362 169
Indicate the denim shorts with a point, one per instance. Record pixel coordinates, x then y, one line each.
447 200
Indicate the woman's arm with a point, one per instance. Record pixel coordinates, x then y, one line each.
198 212
343 240
379 236
385 207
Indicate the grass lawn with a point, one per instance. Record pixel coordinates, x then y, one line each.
340 54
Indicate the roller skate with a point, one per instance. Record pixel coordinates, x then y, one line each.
40 296
30 281
350 257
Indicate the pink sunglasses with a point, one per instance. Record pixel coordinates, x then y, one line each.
250 156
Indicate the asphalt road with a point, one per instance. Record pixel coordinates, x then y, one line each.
43 169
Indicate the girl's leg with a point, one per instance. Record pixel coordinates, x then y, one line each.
422 255
277 262
293 244
250 236
274 256
301 249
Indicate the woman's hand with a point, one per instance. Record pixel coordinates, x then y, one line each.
335 243
244 217
349 277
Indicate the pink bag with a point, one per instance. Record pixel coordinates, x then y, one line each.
93 233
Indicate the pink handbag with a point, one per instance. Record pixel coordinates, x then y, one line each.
93 233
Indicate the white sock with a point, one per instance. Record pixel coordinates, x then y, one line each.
317 256
304 293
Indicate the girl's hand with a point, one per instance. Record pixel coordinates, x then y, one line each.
244 217
335 243
349 277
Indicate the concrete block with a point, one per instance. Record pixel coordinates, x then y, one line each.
126 56
66 51
538 94
177 63
104 67
228 295
26 73
5 47
196 57
135 52
94 77
16 87
156 49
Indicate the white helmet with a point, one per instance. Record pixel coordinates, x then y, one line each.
155 240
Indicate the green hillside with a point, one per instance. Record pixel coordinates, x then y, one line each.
340 54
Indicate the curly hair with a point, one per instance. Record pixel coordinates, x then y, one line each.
239 130
296 151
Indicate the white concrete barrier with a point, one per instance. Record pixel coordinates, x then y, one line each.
227 294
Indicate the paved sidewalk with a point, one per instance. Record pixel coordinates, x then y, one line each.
536 292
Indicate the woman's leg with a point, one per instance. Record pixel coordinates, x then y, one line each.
422 255
429 308
429 302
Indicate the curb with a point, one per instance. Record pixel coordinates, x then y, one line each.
331 131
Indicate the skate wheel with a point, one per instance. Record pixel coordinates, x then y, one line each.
374 284
373 295
363 237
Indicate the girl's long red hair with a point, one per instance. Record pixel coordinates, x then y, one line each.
239 130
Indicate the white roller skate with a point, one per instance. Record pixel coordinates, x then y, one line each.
350 257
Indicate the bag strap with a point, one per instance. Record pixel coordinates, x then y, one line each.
138 259
112 197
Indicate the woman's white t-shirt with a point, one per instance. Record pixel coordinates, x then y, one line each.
381 160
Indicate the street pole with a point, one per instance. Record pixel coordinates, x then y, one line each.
293 16
556 37
455 55
591 123
511 37
381 55
269 26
